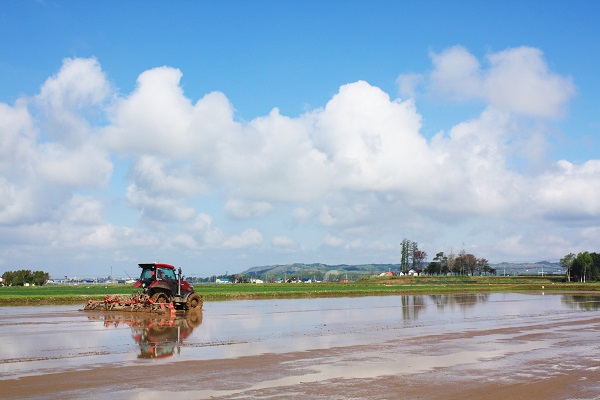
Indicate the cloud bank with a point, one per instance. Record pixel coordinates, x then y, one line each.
88 175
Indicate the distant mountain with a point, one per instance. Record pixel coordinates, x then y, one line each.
537 268
319 270
306 270
548 263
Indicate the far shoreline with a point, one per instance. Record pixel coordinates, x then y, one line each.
373 286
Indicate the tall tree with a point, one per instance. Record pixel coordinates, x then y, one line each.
470 263
39 278
582 266
567 262
438 264
451 262
405 255
414 248
595 269
418 257
482 265
460 263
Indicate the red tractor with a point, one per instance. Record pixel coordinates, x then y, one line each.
163 284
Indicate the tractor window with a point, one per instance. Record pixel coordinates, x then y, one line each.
146 274
169 274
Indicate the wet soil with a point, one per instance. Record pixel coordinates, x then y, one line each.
492 346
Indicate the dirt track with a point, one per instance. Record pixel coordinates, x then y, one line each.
526 347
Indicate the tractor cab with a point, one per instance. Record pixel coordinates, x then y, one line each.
156 272
158 275
160 272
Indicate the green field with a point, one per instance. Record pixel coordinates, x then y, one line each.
56 294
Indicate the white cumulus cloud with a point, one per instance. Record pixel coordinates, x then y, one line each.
516 80
156 171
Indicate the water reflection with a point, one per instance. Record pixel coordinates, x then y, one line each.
46 339
584 302
158 336
413 305
463 300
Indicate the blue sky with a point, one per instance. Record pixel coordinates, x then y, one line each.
223 135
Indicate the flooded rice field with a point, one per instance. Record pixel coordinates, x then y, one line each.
478 346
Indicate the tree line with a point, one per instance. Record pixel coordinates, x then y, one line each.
462 264
583 267
25 276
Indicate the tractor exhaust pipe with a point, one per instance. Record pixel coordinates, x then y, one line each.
179 282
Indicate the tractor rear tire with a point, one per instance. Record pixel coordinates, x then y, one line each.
160 297
194 301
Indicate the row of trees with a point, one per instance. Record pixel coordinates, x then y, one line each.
582 267
462 264
442 264
25 276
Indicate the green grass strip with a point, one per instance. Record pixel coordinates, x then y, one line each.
56 294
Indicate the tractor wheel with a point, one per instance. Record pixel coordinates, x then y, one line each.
194 300
160 297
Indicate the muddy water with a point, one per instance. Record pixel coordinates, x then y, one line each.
44 340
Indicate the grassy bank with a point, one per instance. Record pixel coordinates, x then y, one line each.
56 294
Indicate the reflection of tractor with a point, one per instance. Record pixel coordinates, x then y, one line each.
160 337
164 285
157 337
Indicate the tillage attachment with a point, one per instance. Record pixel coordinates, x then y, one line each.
139 302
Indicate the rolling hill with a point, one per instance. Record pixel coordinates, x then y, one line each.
319 270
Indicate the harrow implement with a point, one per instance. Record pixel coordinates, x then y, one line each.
139 302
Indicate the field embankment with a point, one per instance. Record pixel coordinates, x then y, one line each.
377 286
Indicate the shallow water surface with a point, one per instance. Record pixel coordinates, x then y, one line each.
46 339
